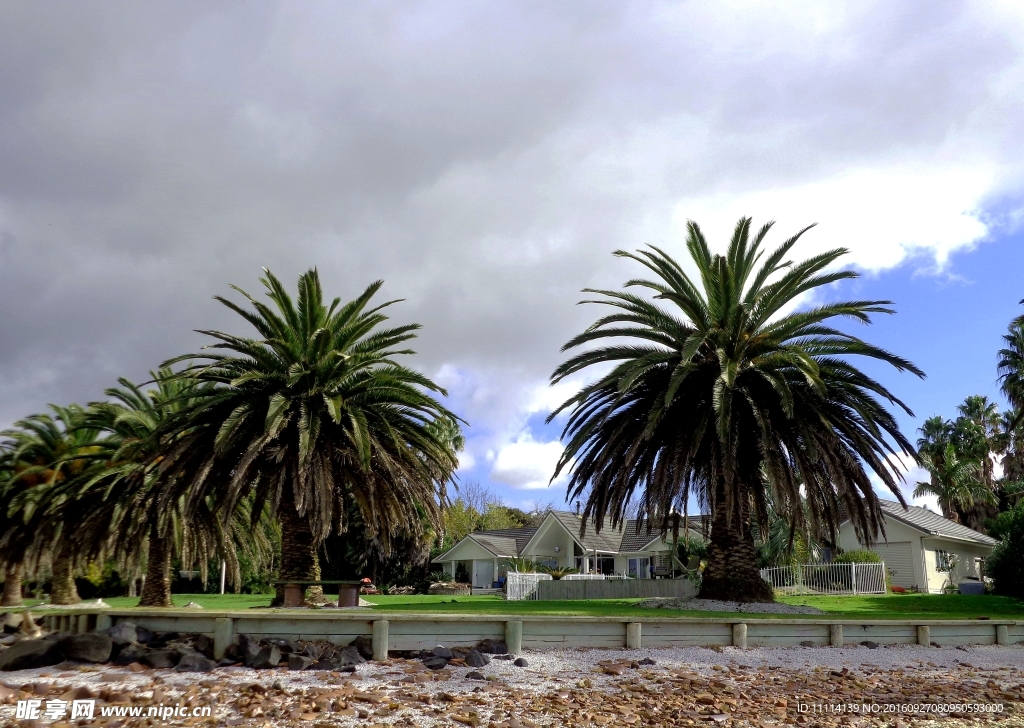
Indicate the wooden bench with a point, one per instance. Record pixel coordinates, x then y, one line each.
294 592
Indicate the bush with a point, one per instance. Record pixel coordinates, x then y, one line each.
1006 562
857 556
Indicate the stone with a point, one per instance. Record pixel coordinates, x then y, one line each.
284 646
807 643
521 662
475 658
143 636
160 659
227 662
249 649
129 654
492 647
351 656
435 663
442 651
203 645
122 633
474 675
87 647
869 644
299 662
504 656
30 654
195 662
646 662
364 644
268 658
313 650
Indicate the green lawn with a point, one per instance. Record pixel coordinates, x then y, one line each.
891 606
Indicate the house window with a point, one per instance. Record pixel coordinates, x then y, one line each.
605 564
943 560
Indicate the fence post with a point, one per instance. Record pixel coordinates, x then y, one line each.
223 636
835 635
1002 634
103 621
924 635
853 571
739 636
380 640
514 636
633 639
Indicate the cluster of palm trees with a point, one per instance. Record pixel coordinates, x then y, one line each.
296 430
707 379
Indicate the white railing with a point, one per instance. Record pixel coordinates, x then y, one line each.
826 578
583 577
519 586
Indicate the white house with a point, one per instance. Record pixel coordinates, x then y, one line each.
629 550
918 545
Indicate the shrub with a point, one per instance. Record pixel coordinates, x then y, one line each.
857 556
1006 562
897 590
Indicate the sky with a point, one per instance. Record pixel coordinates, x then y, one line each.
484 160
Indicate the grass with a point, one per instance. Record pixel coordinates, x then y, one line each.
890 606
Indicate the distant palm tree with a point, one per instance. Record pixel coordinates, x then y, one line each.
955 481
721 394
311 415
1011 366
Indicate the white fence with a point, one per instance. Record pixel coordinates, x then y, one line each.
583 577
519 586
827 578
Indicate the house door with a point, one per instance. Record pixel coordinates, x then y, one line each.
640 568
483 574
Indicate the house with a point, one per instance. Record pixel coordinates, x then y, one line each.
629 550
918 546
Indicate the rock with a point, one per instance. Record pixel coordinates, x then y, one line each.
249 649
193 605
143 636
869 644
203 645
807 643
130 654
351 656
285 647
475 658
122 633
365 646
195 662
160 659
29 654
442 651
492 647
233 652
504 656
10 621
646 662
313 650
227 662
299 662
521 662
268 658
435 663
474 675
88 647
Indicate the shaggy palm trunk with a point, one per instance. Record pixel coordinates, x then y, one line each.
62 588
156 591
13 578
732 572
298 557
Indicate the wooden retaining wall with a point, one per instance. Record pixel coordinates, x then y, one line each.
615 589
422 631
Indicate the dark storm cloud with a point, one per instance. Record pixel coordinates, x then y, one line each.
483 159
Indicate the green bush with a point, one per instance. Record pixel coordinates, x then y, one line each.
1006 562
857 556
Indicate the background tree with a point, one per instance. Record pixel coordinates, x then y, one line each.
955 482
715 391
313 414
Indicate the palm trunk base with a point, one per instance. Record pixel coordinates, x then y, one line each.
156 590
298 556
732 573
13 578
62 588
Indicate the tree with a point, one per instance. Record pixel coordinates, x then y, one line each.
955 481
722 394
311 415
1006 562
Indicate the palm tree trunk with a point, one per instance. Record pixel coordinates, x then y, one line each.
62 588
298 557
156 591
732 572
13 577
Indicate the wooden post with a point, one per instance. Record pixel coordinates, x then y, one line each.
835 635
103 621
739 636
924 635
1002 634
83 623
633 638
514 636
380 640
223 636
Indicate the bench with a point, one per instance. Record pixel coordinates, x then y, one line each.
294 592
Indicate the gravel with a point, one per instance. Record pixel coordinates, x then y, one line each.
714 605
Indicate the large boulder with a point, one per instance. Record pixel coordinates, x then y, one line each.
284 646
365 646
268 658
122 633
299 662
248 649
88 647
195 662
30 654
475 658
130 654
493 647
160 659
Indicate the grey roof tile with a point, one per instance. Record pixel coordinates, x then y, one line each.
934 524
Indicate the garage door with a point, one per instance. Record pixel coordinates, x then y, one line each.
899 562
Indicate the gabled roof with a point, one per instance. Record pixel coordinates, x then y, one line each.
933 524
502 542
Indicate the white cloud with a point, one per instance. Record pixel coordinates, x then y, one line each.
527 464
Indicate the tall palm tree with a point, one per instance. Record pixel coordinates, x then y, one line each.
715 391
956 481
314 413
1011 367
13 566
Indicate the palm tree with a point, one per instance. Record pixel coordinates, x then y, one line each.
1011 367
48 452
312 414
956 481
719 393
14 568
